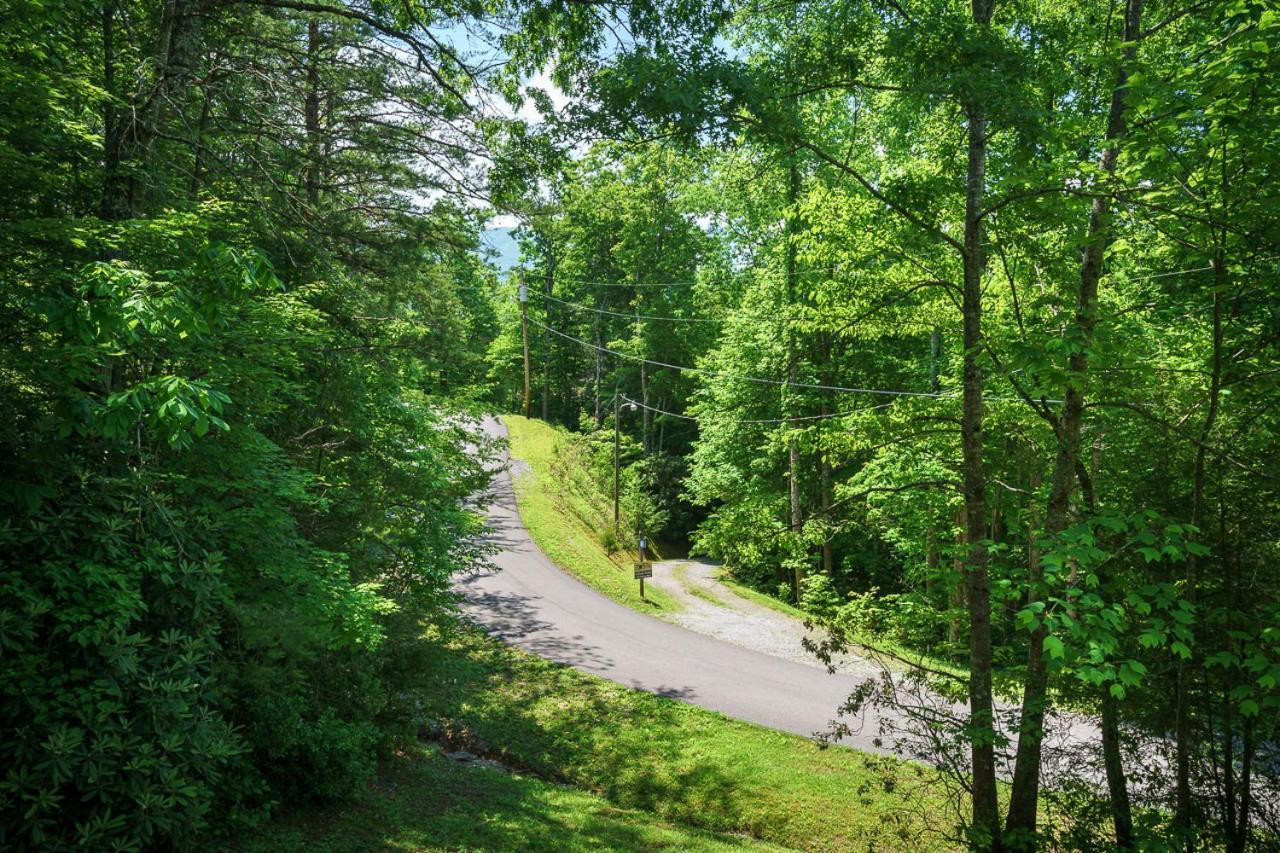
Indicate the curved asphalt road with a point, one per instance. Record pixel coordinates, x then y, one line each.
531 603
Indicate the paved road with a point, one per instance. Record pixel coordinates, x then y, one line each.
531 603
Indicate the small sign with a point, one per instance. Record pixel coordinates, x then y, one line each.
644 570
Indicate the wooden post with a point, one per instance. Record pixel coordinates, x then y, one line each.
643 546
524 334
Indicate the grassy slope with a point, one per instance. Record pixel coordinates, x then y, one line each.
610 768
554 513
685 764
646 771
868 645
423 801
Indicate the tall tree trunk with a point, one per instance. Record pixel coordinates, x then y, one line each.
1182 702
824 458
1113 761
646 416
986 819
1025 792
131 131
824 465
1112 754
1239 840
793 449
198 155
598 356
311 114
111 191
955 595
546 335
935 352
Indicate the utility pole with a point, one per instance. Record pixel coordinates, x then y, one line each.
617 420
524 334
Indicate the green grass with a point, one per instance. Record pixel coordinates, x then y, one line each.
423 801
566 521
603 767
870 645
686 765
680 572
761 598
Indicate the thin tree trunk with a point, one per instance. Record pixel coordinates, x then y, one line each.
646 416
1182 719
1025 792
1239 840
662 426
598 354
793 450
955 595
935 352
546 335
311 112
1113 760
111 191
986 819
197 164
824 459
1228 757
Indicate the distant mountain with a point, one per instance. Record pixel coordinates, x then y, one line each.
503 253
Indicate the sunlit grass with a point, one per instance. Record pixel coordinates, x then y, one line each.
424 801
685 764
566 522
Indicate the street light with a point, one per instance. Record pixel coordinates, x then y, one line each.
617 417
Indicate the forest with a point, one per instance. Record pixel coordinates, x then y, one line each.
951 327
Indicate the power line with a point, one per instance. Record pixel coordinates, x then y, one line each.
719 374
828 271
693 282
575 306
761 381
797 419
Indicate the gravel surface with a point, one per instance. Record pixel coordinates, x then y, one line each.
709 607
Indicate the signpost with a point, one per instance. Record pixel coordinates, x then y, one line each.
644 568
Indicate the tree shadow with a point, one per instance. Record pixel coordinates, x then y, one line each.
634 748
423 800
512 618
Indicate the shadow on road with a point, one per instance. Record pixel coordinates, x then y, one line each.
512 618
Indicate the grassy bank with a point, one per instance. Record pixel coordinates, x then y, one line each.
601 766
570 521
424 801
687 765
567 517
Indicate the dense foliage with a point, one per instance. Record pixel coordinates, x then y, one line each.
238 346
956 323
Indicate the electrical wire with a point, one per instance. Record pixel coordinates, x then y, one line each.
693 282
796 419
832 272
939 395
575 306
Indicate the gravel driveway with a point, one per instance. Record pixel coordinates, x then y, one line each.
709 607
